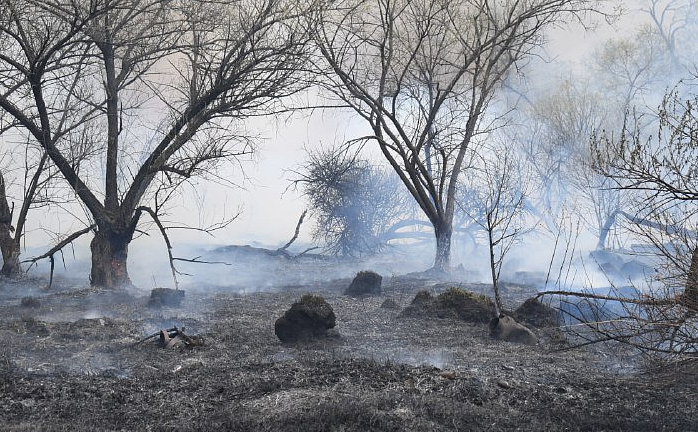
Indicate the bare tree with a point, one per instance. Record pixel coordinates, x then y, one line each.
422 75
660 168
359 207
27 182
675 23
631 69
552 135
11 227
501 185
156 84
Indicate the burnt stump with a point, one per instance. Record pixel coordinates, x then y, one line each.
166 297
309 318
390 304
507 329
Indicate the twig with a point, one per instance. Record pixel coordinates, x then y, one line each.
60 245
307 250
156 219
196 260
295 234
646 302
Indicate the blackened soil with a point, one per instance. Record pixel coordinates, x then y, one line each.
74 363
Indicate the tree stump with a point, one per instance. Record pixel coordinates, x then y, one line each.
507 329
166 297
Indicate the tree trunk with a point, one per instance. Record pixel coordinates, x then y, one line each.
493 267
442 262
109 255
605 230
689 297
9 246
10 253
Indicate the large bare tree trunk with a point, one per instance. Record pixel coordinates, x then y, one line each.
442 262
109 255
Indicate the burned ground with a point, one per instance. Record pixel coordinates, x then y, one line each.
74 363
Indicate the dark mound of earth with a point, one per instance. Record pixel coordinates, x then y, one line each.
535 313
453 303
310 317
365 283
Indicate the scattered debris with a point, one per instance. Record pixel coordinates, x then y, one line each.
30 302
504 384
308 318
381 377
174 338
507 329
390 304
166 297
455 303
365 283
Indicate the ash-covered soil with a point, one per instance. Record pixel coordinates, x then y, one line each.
72 362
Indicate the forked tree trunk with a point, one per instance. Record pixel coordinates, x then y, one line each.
109 256
442 261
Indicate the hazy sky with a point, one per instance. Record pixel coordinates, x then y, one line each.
268 215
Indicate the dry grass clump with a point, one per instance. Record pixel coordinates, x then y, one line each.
312 299
456 293
455 303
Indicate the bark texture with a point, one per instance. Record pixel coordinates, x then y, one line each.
8 244
443 233
109 259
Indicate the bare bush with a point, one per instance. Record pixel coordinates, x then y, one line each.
359 207
660 170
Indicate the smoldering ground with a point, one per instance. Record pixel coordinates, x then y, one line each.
76 358
77 362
